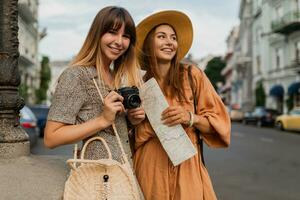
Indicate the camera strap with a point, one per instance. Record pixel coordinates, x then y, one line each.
114 127
195 109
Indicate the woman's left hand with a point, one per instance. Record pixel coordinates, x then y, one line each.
136 115
174 115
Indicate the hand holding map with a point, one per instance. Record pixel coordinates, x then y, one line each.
173 139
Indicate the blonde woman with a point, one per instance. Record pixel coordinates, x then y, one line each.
77 112
163 40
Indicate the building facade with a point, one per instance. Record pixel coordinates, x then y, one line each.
29 66
57 67
225 90
266 55
241 91
276 51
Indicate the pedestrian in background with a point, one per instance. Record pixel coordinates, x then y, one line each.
77 112
164 38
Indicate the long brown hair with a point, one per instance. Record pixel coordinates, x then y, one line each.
148 61
126 65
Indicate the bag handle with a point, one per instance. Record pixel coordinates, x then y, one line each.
91 140
76 160
124 157
192 85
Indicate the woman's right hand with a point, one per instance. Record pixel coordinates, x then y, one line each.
112 105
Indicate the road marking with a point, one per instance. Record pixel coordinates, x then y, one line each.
236 134
264 139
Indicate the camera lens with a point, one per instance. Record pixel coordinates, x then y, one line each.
134 101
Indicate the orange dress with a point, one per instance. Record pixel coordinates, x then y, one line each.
158 178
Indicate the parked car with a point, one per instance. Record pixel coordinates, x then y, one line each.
261 116
29 122
235 112
290 121
41 113
236 115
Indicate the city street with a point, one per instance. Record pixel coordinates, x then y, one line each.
260 164
247 51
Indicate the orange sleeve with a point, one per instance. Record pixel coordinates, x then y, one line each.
210 106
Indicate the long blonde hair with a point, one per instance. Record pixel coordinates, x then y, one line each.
126 66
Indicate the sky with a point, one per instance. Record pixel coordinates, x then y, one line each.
68 21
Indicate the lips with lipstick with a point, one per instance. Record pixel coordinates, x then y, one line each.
115 50
167 50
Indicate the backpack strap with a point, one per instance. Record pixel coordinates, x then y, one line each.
195 108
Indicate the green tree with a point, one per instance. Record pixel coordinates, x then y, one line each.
213 71
23 91
260 95
45 78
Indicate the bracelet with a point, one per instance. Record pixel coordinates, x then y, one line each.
191 122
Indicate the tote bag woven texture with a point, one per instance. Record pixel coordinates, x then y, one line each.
103 179
99 179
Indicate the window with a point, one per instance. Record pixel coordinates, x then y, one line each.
278 58
258 35
258 67
295 112
297 4
297 51
259 3
278 13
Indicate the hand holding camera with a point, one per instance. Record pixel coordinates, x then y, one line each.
112 105
136 115
121 99
132 102
131 97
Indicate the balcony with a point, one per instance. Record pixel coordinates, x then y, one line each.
287 24
25 60
26 12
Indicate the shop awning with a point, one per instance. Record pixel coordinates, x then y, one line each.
277 91
294 88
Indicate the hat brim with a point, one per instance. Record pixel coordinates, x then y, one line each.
178 20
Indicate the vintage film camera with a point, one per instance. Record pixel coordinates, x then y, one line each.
131 97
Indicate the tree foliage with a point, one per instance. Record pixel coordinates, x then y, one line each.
23 91
45 78
260 95
213 71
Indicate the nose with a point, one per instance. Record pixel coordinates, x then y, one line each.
119 39
169 42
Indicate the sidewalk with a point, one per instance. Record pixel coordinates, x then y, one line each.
33 177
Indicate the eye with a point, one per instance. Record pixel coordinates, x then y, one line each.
126 36
174 38
161 36
112 31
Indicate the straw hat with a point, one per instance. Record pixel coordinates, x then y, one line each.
178 20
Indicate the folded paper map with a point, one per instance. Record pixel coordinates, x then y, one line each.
173 139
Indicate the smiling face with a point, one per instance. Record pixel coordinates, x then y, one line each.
114 43
165 43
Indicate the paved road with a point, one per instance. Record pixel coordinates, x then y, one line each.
261 164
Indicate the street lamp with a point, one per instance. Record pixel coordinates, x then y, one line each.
13 139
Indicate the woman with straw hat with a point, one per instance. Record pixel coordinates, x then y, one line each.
163 39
